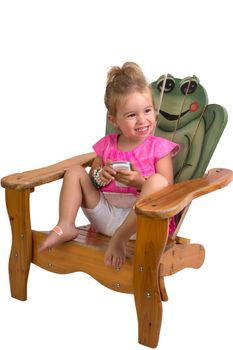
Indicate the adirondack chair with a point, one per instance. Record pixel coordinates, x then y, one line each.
183 116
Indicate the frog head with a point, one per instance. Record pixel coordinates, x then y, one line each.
183 101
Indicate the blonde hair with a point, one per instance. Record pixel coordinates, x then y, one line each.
122 81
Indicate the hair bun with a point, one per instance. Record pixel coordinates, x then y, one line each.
121 81
129 69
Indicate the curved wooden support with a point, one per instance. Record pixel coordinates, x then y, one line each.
181 256
150 244
163 291
17 203
86 256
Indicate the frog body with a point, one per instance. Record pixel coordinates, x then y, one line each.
186 118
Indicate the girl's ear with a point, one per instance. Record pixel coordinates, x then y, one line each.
112 120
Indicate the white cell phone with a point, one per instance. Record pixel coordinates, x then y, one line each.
121 165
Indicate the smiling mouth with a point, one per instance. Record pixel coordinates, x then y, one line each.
171 117
142 129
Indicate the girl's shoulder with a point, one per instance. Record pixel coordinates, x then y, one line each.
156 140
112 138
108 138
106 141
160 140
162 145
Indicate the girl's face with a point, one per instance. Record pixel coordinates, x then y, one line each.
135 116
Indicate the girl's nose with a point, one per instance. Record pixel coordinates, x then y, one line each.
140 118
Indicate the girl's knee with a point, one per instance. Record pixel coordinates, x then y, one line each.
160 180
75 171
156 182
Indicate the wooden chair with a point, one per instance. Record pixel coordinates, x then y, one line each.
197 127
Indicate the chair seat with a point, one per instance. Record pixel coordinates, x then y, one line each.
86 254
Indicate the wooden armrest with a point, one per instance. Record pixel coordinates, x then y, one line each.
32 178
174 198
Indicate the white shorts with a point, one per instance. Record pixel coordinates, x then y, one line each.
106 217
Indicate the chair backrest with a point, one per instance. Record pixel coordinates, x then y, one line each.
186 118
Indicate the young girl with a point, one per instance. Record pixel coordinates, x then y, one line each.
107 195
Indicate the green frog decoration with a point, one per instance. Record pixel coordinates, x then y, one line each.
185 117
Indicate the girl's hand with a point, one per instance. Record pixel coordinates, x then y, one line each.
107 173
131 178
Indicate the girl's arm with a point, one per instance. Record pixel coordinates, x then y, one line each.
96 164
107 173
165 167
131 178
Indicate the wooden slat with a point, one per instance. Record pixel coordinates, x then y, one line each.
37 177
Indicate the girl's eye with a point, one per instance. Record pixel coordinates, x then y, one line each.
148 110
132 115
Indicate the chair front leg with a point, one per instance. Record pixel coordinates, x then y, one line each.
151 240
17 203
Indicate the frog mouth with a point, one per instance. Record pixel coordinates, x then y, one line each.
171 117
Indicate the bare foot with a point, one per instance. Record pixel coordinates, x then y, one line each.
58 236
115 253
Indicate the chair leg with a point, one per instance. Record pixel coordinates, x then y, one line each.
17 203
151 241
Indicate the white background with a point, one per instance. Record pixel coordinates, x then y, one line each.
53 63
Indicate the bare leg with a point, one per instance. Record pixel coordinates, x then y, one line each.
115 253
77 190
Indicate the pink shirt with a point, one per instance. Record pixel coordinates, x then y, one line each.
144 157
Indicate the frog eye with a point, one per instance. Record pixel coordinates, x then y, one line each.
169 85
188 87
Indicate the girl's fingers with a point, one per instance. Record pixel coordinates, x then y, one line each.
108 173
